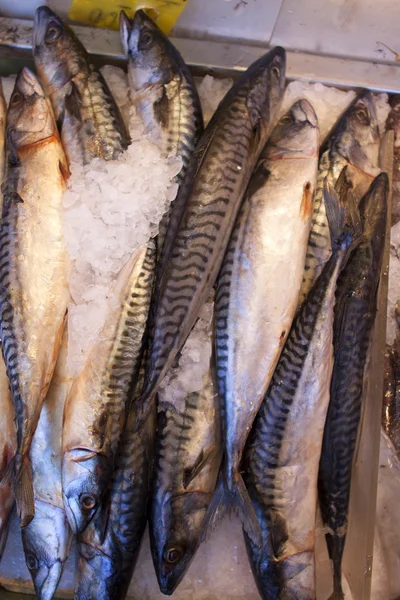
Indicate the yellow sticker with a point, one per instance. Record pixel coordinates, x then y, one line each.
105 13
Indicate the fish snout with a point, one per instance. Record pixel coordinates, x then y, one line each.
46 588
42 18
308 111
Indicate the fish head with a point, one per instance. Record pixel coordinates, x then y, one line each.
30 117
85 475
276 74
46 542
177 537
59 55
148 50
356 135
296 134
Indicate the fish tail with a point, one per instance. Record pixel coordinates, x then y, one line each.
343 218
335 548
236 499
19 472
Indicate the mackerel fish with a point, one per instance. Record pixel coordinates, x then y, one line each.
108 555
47 538
98 403
33 267
90 123
354 142
259 284
393 123
282 455
208 200
353 320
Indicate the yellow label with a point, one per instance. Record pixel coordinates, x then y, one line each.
105 13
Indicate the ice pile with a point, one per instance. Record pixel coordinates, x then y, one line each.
111 209
117 81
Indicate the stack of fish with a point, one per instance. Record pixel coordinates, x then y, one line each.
290 238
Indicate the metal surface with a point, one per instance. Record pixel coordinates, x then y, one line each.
207 56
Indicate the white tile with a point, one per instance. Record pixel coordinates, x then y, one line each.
249 20
339 27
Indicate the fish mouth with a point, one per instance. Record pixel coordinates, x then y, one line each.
140 18
42 17
28 83
76 520
308 112
46 589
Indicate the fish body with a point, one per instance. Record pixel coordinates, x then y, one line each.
188 456
89 120
393 123
47 538
354 142
391 398
97 405
34 266
8 447
282 455
261 275
353 320
3 116
107 556
206 206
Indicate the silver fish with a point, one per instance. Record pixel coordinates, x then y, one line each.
97 405
108 554
90 123
206 206
282 455
47 538
354 142
33 308
259 284
354 317
188 456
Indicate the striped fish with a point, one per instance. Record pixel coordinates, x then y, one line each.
206 206
47 538
97 405
282 455
90 123
33 267
108 554
354 142
354 317
259 284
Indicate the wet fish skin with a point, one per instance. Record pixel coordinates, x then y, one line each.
188 456
46 540
391 397
32 308
96 408
354 142
393 123
273 224
354 317
107 558
206 206
89 120
3 116
281 463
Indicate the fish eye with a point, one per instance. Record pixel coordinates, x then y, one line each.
53 33
286 120
363 114
146 38
16 99
173 554
276 72
88 502
31 562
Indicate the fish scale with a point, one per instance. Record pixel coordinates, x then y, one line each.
354 316
280 464
206 206
96 408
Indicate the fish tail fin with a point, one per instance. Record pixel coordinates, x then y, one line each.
237 500
23 489
335 545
